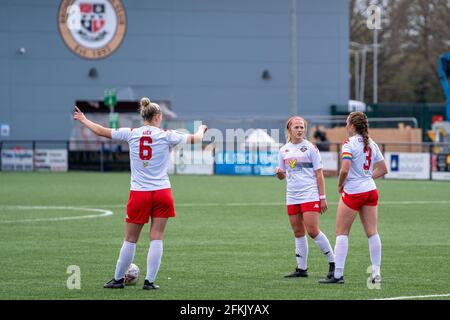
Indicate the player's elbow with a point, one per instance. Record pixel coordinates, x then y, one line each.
104 132
194 138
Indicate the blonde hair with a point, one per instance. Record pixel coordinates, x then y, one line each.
288 126
361 123
148 109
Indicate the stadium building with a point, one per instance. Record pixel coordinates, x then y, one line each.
199 58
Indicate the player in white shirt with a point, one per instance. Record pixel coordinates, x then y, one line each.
150 193
299 160
362 162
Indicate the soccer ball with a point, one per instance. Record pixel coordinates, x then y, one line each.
132 274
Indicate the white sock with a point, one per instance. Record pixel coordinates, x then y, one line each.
301 252
322 242
375 254
126 257
340 253
154 259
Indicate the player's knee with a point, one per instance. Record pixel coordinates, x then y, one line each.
342 233
299 233
313 233
131 238
156 236
371 232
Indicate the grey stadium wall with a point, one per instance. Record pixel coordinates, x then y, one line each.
204 56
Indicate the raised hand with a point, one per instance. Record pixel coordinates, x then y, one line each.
78 115
203 128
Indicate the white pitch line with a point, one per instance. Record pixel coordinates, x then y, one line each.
104 213
259 204
416 297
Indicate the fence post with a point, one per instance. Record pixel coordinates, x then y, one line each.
431 160
34 154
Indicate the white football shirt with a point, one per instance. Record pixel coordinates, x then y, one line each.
300 161
149 155
359 178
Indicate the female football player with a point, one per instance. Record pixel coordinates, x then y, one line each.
150 193
299 160
362 162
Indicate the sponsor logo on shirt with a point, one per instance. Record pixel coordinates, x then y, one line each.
303 149
145 164
292 163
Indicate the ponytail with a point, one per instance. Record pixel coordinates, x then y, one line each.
361 123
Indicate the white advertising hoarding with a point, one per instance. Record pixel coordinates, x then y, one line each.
439 175
408 165
17 160
50 160
194 162
329 160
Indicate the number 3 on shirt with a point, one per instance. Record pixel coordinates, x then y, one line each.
145 151
366 165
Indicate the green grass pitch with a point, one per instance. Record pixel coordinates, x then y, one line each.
231 239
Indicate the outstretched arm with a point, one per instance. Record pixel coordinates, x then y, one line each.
94 127
198 136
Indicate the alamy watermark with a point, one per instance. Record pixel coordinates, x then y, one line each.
74 280
373 17
234 146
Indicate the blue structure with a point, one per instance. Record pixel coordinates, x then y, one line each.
444 75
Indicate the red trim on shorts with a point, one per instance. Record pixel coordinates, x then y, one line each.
313 206
357 200
145 204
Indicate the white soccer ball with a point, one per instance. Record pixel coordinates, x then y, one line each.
132 274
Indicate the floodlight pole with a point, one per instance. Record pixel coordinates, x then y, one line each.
293 57
357 75
363 74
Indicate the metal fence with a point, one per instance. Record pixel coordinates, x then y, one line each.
405 160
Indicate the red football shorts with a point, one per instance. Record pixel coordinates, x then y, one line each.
303 207
145 204
357 200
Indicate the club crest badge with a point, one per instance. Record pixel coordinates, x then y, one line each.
303 149
92 29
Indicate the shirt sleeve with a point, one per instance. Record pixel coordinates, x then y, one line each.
281 162
316 158
378 156
174 137
121 134
346 151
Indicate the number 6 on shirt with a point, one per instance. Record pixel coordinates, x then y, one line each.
145 147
